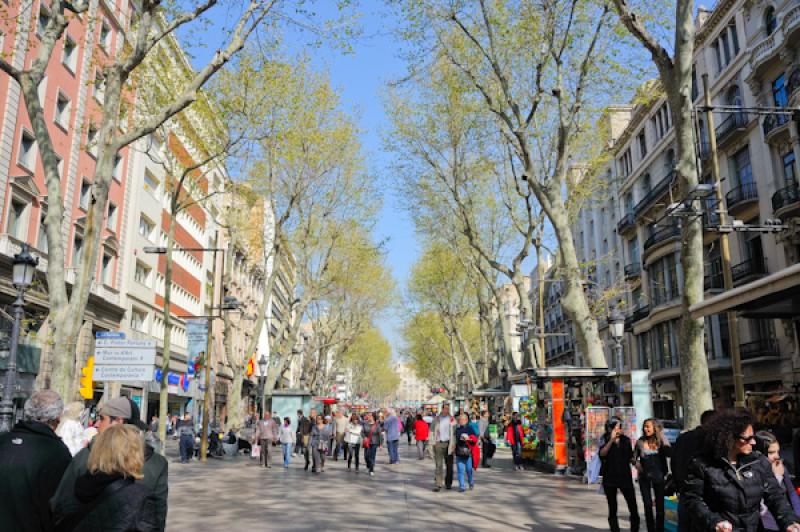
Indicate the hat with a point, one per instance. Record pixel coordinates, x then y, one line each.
123 407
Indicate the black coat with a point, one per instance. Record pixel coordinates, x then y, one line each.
130 507
32 461
717 491
615 467
687 446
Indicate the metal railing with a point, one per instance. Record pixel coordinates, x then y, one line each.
734 121
742 193
774 121
661 236
748 268
633 270
713 279
625 222
659 190
785 197
764 347
640 313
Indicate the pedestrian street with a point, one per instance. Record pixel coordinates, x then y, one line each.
238 494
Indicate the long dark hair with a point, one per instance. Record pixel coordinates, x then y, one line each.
721 432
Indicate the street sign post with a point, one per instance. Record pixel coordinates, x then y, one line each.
117 358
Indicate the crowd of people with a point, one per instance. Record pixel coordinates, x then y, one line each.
728 477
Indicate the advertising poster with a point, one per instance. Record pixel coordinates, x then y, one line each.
596 417
197 340
640 390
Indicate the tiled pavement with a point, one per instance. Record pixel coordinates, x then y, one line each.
237 494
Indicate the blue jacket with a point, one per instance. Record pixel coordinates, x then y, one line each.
392 426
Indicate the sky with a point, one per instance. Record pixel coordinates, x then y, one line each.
360 77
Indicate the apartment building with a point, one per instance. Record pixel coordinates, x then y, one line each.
412 391
748 51
72 100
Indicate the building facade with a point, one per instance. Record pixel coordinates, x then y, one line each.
412 391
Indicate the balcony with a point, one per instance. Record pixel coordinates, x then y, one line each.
655 194
661 237
766 50
763 348
632 271
640 313
627 223
713 279
730 128
748 270
773 124
786 201
740 197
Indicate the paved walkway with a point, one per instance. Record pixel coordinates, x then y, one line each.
237 494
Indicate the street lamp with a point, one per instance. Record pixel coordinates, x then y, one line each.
262 378
23 266
616 328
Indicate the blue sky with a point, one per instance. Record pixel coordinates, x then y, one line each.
360 77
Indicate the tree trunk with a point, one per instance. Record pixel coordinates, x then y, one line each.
529 349
574 300
235 404
163 396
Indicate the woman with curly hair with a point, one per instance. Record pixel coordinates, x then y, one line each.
727 482
650 458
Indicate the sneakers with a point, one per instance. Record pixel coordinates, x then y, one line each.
437 489
461 490
372 473
471 487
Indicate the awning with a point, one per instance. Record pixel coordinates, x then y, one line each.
563 372
774 296
490 392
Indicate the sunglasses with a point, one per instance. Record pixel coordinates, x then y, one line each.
748 439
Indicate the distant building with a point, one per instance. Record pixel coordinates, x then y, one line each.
412 390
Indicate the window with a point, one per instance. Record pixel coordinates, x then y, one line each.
43 22
770 20
111 219
41 238
16 219
779 94
788 168
664 286
150 183
117 173
86 193
695 88
734 36
27 151
633 250
742 168
63 107
734 96
646 184
642 145
145 227
142 273
138 320
628 203
726 47
77 250
107 270
105 36
661 122
70 57
626 163
99 86
91 140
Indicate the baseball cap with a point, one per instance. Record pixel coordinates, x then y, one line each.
123 407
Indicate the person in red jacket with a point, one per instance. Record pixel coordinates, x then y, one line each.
421 432
515 436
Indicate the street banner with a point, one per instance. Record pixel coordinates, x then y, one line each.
640 391
197 340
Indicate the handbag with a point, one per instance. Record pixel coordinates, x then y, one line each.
256 451
463 450
368 440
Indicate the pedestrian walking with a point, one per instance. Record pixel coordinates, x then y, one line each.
267 435
118 411
393 428
71 428
616 456
421 434
688 445
768 445
650 458
32 461
515 436
340 429
443 435
154 424
352 440
186 436
371 440
727 482
487 445
410 426
287 438
466 441
311 422
320 439
303 433
111 499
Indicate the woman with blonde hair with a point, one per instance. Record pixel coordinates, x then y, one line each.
111 499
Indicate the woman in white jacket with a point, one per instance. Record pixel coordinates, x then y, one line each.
352 437
287 439
71 429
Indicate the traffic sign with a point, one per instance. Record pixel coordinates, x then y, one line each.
123 372
117 358
109 334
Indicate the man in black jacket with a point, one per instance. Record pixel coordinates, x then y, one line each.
120 410
687 446
32 461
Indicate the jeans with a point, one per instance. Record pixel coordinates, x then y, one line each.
409 434
630 498
298 446
369 456
394 457
351 450
516 451
444 465
186 444
464 464
319 458
341 446
657 524
287 453
422 448
266 452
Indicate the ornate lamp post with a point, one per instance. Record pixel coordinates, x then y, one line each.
616 328
24 265
262 378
